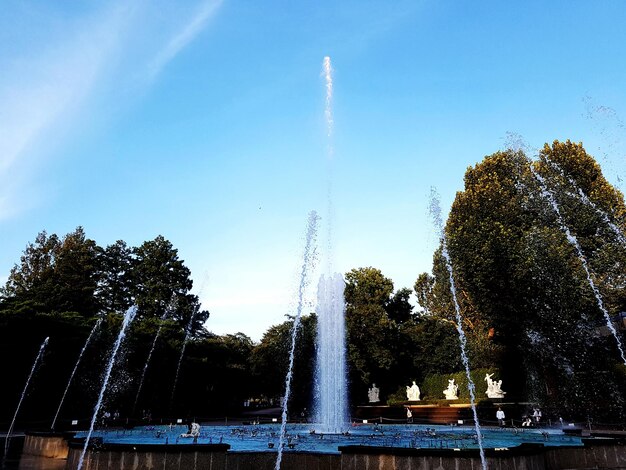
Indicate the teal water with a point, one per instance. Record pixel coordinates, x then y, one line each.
258 438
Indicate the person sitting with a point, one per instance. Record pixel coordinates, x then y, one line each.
193 430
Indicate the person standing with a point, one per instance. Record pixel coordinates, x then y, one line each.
500 416
409 415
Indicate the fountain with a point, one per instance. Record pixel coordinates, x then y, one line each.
583 197
331 389
571 238
7 439
69 382
435 212
330 442
128 318
331 409
308 263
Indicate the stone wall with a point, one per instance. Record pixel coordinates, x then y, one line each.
49 445
371 458
144 457
594 454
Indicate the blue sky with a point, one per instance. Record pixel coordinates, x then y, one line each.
203 121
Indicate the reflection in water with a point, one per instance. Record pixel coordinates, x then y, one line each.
27 462
16 461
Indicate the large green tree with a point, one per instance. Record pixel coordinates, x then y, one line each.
374 317
56 274
161 283
522 285
115 288
270 361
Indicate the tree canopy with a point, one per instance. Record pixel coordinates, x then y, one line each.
523 289
73 274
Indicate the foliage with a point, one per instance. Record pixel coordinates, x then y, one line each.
74 274
525 298
56 274
373 317
270 360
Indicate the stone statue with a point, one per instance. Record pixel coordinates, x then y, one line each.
494 389
373 394
193 431
413 392
452 392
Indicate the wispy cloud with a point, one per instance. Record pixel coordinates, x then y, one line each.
51 92
181 39
46 92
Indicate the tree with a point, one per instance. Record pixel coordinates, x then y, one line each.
56 275
521 283
76 272
161 283
373 316
114 291
270 361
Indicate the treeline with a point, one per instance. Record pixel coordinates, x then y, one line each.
62 286
73 274
538 291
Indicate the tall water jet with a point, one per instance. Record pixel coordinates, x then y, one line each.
128 318
435 212
331 411
331 389
308 264
19 404
571 238
327 73
69 382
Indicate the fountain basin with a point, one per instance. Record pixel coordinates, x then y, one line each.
53 445
366 446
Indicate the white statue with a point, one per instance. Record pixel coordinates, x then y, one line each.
494 389
194 431
413 392
373 394
452 392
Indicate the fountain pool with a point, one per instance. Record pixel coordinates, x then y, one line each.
303 438
363 446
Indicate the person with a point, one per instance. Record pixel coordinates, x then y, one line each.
106 417
500 416
409 415
537 416
526 422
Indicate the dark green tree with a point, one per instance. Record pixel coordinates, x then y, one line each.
56 275
161 283
270 360
522 287
114 293
374 314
